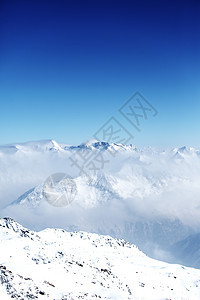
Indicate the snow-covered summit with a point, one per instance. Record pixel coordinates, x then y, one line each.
185 151
101 146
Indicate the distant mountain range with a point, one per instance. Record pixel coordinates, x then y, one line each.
52 145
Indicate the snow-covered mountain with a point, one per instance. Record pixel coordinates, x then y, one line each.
55 264
147 196
99 207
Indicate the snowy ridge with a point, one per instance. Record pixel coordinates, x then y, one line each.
55 264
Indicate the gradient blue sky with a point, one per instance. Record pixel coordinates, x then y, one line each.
68 66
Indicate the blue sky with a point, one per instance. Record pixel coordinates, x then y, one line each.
66 67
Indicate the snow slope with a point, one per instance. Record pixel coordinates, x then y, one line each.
55 264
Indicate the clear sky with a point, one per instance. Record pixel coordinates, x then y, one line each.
66 67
